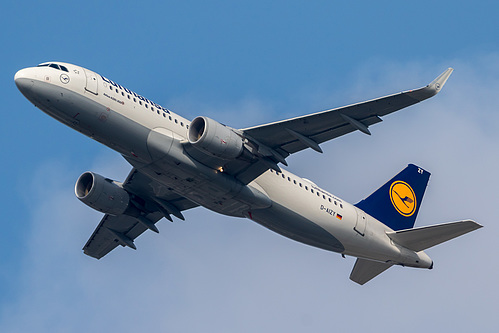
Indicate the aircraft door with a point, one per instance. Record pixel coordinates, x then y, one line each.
360 225
92 82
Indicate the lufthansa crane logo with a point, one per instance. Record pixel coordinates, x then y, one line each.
403 198
64 78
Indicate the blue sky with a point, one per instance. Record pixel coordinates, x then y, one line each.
246 63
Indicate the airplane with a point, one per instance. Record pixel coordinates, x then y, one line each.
179 164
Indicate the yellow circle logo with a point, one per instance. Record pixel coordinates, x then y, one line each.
403 198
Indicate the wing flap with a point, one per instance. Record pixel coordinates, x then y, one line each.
328 134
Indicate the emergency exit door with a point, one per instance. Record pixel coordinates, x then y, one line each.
92 81
360 225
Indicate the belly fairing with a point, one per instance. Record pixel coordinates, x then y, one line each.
292 225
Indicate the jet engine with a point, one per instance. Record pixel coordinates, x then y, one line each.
215 139
102 194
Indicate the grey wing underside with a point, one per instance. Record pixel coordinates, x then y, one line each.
122 229
292 135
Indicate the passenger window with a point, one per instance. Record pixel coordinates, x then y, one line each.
306 187
289 179
341 206
176 121
170 117
283 176
182 124
164 115
135 100
329 199
111 87
300 185
311 190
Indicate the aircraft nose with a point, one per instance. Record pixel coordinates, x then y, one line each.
24 81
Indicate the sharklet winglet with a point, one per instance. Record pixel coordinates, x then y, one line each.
439 82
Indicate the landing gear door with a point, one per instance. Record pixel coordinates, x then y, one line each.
92 82
360 225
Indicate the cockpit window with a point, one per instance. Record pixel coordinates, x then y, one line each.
56 66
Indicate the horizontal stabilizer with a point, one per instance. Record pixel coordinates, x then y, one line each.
423 238
365 270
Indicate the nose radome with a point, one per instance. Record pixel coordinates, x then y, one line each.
25 73
24 80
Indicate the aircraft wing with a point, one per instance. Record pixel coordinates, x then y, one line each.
272 143
292 135
122 229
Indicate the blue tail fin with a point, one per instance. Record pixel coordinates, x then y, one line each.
397 203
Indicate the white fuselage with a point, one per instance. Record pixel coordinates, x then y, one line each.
152 139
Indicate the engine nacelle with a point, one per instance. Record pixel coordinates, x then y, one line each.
102 194
215 139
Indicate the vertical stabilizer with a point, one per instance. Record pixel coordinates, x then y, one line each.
397 203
